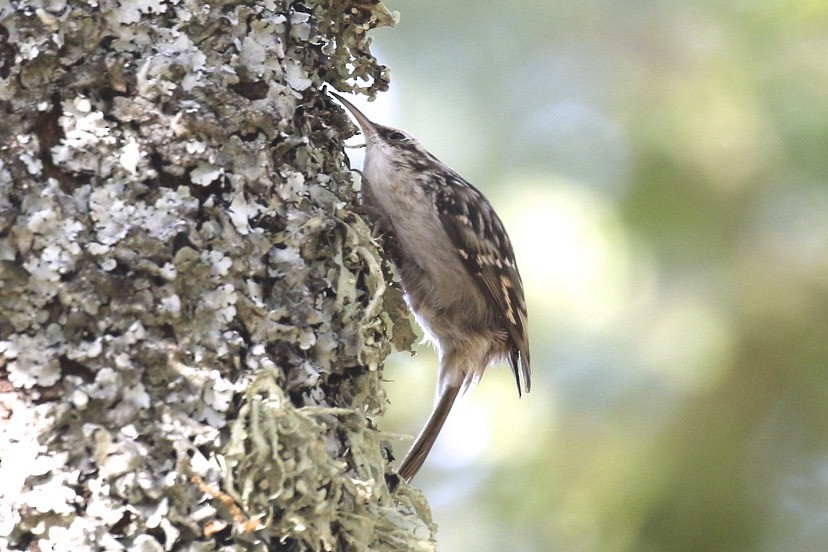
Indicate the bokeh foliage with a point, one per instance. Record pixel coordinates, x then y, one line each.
662 169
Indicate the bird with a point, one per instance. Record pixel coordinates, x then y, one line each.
456 265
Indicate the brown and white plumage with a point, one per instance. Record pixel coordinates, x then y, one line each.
456 264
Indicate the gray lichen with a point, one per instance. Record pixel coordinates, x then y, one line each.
192 318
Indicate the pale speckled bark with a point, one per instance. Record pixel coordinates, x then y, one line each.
190 312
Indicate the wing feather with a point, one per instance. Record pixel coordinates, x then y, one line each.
466 217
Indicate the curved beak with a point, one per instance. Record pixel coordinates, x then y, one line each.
368 128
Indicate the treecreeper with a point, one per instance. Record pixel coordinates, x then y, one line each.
456 265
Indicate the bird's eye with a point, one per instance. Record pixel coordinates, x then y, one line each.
397 135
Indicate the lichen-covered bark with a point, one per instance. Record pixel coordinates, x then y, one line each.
191 315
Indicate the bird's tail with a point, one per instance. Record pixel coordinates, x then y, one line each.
425 440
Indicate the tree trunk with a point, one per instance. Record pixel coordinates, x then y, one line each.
191 314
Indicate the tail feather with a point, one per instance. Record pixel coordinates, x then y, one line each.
425 440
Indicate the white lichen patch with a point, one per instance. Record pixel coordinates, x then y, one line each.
52 496
111 214
221 303
25 363
130 155
205 173
84 127
219 263
33 164
241 211
296 76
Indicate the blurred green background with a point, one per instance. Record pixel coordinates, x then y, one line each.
662 168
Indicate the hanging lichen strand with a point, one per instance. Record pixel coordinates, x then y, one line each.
190 314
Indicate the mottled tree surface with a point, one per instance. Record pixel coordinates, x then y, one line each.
192 317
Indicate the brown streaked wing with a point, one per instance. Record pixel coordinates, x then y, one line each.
492 261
